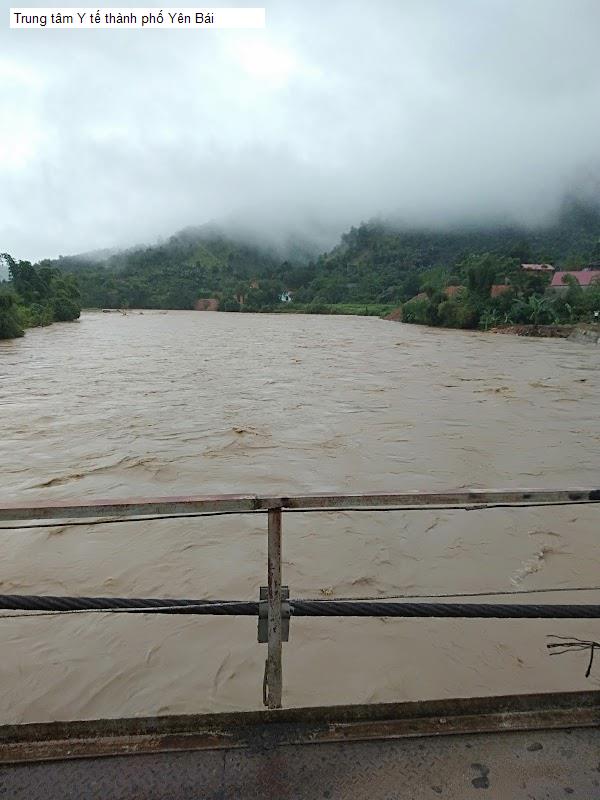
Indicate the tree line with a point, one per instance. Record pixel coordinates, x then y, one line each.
35 296
374 263
463 297
376 266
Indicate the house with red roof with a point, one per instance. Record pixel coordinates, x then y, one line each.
584 277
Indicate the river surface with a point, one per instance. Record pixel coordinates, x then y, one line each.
199 403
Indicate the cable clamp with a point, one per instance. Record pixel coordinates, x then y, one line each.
263 614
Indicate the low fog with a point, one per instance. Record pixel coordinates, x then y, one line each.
428 112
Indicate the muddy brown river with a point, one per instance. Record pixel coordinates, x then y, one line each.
199 403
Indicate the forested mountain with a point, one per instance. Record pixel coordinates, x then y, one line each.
373 263
195 263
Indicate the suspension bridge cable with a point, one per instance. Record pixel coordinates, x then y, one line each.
302 608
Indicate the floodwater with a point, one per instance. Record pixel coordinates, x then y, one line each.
199 403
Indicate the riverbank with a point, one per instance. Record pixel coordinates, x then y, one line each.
348 309
540 331
352 309
585 333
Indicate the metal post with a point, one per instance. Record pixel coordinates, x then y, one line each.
274 678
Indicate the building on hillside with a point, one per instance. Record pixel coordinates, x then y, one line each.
420 296
286 296
584 277
499 288
538 267
207 304
452 291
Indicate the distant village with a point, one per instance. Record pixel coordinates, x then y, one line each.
585 277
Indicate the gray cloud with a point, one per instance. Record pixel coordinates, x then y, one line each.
421 110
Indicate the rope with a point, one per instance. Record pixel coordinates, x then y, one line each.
301 608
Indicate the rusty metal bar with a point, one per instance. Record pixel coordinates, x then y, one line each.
274 668
318 725
235 503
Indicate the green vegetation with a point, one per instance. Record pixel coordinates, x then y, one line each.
35 296
524 297
374 264
375 268
196 263
10 327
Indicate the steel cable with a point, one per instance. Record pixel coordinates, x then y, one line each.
301 608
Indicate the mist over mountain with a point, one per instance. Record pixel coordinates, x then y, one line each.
372 262
430 114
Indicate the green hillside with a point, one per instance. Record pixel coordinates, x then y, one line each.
374 264
195 263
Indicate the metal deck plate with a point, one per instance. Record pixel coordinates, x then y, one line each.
541 765
533 747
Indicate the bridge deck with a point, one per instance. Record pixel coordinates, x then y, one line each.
529 746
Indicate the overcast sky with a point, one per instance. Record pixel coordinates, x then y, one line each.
430 111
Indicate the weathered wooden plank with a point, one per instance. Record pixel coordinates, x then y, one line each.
237 503
274 666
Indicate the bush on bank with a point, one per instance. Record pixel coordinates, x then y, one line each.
10 324
520 297
35 296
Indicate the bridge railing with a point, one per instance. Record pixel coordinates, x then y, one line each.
38 514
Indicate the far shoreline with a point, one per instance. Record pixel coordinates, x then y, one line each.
588 333
583 332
